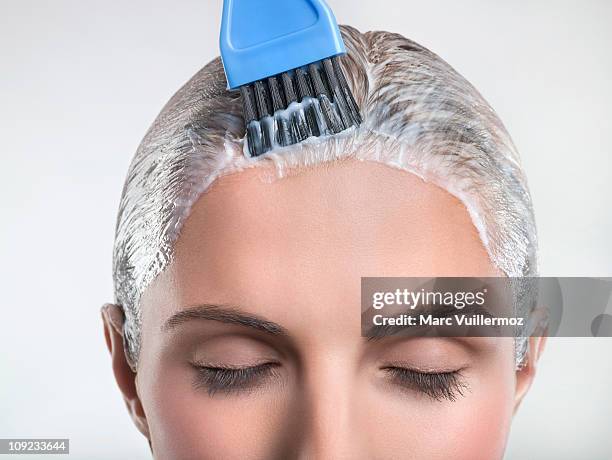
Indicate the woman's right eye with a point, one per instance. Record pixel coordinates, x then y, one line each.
233 379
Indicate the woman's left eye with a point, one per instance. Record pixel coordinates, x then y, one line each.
437 385
232 379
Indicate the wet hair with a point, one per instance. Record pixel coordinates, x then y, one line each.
419 114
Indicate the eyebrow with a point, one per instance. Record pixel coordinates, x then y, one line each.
224 314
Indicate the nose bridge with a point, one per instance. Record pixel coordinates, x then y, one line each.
329 410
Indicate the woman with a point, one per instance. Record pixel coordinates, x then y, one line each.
236 328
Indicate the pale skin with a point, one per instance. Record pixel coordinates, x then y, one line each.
282 261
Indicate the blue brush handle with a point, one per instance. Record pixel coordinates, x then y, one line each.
262 38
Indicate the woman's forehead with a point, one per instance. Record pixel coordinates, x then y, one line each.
361 215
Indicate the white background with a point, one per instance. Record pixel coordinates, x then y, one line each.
82 80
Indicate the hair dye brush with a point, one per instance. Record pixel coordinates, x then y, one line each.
283 56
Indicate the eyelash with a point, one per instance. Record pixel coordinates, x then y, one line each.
233 379
436 385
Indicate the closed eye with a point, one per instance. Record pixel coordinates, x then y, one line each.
233 379
437 385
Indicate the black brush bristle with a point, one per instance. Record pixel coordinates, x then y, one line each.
262 99
253 129
281 124
348 95
275 94
297 120
304 91
286 109
288 88
303 88
337 94
332 120
248 104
